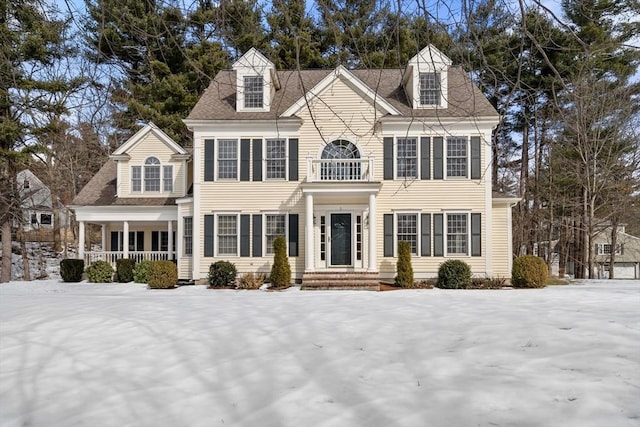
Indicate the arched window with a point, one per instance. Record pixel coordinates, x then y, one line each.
152 174
342 161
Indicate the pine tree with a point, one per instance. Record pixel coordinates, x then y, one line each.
280 270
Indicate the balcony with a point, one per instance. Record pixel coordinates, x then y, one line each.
343 170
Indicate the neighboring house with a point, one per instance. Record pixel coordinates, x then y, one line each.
627 254
36 201
343 163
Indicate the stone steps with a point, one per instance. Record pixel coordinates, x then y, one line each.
364 281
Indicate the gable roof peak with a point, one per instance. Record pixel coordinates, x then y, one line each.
138 136
251 58
431 56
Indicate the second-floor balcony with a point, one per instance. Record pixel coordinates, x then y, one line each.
350 170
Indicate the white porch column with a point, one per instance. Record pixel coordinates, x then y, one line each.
125 239
103 238
372 233
170 239
81 238
309 257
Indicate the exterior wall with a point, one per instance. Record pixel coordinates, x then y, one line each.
502 255
185 262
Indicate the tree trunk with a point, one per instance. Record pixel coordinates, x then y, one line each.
57 244
5 275
24 253
614 244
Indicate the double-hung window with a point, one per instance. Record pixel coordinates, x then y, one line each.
188 235
136 179
228 235
253 92
275 226
457 157
606 249
457 234
407 158
152 174
167 178
430 89
276 154
228 159
408 230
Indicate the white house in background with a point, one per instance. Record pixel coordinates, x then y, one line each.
627 254
343 163
36 202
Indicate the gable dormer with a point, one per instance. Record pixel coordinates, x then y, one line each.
256 82
425 79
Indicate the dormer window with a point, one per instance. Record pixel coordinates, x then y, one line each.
253 92
152 177
152 174
429 88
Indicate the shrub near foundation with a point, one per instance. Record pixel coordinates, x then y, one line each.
222 274
124 269
100 272
162 275
141 271
529 271
454 274
251 281
404 275
71 269
280 276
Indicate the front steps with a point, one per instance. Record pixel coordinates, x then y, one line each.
352 280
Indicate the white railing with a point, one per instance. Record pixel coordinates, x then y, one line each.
112 256
340 170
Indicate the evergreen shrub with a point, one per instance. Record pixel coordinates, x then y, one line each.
100 272
404 275
71 269
162 275
124 269
141 271
222 274
454 274
529 271
280 276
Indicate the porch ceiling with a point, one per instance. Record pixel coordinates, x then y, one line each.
102 214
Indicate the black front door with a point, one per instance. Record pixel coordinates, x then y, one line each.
341 239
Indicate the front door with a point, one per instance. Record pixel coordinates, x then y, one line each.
341 239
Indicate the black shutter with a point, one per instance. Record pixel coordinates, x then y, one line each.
475 157
257 160
425 231
293 161
476 234
388 158
438 235
208 236
245 237
438 170
209 159
245 145
257 235
115 241
388 234
425 157
293 234
139 240
155 241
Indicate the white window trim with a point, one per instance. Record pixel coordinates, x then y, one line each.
442 71
438 79
142 179
418 157
445 157
264 159
184 237
445 233
217 159
244 92
264 229
600 249
216 242
418 231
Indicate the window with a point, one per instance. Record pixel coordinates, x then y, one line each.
167 178
253 92
188 235
605 249
152 174
276 158
228 235
457 234
457 157
45 219
341 161
26 184
136 178
408 230
275 226
429 89
228 159
34 218
407 158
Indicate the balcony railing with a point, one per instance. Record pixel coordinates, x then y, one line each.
350 170
112 256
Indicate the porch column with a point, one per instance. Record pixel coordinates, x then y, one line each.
81 238
125 239
170 239
103 238
309 257
372 233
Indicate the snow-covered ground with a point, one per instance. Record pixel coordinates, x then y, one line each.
122 355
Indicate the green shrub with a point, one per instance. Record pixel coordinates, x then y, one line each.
250 281
404 276
100 272
71 269
141 271
280 276
162 275
529 271
124 269
454 274
222 274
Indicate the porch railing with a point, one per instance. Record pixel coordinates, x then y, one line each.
112 256
328 170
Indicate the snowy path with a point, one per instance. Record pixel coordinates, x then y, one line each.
122 355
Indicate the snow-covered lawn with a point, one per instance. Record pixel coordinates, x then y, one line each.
122 355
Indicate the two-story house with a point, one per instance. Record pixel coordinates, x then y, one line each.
343 163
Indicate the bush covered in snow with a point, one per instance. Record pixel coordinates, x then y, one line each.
454 274
141 271
71 269
222 274
529 271
100 272
124 269
162 275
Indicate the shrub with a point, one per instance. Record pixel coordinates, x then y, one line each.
250 281
71 269
529 271
280 276
141 271
488 283
100 272
454 274
221 274
124 269
162 275
404 276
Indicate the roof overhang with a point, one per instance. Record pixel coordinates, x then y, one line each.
135 213
506 201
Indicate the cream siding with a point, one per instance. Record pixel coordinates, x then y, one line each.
502 256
